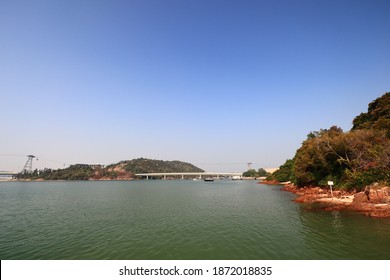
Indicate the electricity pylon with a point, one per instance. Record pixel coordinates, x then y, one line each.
28 166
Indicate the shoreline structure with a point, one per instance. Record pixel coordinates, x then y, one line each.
374 201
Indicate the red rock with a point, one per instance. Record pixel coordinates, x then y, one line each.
374 202
360 198
265 182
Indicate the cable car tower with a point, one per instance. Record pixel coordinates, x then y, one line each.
28 166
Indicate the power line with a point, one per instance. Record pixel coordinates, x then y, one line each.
29 161
56 161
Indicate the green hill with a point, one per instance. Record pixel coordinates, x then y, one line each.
143 165
124 170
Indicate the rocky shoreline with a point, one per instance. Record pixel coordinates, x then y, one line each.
374 201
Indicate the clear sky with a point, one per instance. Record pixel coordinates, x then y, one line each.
211 82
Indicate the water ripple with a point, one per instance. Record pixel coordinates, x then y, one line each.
177 220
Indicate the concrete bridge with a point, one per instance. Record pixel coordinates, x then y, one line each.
8 173
182 175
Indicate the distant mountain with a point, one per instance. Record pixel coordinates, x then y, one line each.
124 170
144 165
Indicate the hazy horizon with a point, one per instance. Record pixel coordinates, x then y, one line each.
214 83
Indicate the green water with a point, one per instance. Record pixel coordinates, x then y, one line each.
179 219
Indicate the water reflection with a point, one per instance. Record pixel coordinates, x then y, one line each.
344 235
337 222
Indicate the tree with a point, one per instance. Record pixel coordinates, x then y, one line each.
262 173
318 158
377 116
250 173
352 160
369 157
284 173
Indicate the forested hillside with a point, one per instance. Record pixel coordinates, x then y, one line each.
377 116
143 165
351 159
119 171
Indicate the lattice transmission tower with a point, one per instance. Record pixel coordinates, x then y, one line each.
28 166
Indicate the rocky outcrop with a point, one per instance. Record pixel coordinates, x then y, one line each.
267 182
374 201
373 194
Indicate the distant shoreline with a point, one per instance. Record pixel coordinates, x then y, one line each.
106 179
89 180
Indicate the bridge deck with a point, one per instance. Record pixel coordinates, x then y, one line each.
8 173
193 174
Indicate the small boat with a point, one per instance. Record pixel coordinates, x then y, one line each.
208 179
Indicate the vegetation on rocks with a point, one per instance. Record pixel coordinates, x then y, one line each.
284 173
73 172
352 159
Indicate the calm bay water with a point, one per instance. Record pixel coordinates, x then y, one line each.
179 219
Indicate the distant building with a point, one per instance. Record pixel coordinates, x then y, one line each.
94 166
271 170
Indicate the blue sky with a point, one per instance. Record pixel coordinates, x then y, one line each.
214 83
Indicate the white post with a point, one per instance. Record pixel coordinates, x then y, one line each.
330 183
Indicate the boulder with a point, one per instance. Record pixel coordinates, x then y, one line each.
360 197
378 195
